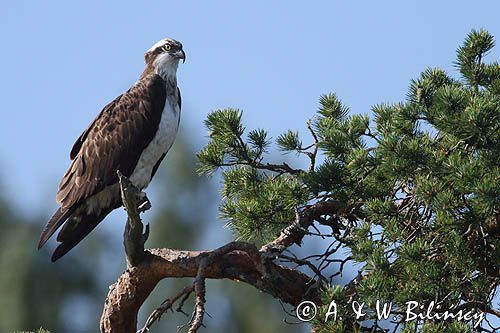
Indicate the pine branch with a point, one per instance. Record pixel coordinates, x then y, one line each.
239 261
126 296
294 233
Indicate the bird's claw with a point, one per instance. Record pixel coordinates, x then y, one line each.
143 202
144 206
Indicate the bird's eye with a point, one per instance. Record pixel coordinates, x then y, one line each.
167 47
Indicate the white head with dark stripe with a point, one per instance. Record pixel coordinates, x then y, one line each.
163 58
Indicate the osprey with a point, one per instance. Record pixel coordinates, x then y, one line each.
132 134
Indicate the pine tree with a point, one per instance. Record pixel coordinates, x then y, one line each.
418 184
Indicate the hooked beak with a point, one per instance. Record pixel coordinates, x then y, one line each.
181 55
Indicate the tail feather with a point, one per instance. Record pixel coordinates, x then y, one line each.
54 223
81 226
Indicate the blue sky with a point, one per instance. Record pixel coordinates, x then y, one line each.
61 62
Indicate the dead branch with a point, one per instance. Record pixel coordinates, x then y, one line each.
126 296
134 202
165 306
199 290
295 232
238 261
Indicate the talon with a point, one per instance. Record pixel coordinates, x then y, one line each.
143 202
144 206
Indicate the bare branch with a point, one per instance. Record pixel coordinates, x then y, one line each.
312 155
294 233
126 296
238 261
199 307
133 239
165 306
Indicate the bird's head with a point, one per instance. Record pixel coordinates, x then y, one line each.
163 58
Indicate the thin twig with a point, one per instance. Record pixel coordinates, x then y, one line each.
164 307
312 155
199 290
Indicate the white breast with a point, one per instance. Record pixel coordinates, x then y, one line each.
161 143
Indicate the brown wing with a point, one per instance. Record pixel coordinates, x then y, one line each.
114 141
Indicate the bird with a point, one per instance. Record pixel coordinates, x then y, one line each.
132 134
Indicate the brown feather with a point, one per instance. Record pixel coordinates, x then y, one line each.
54 223
113 141
106 149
